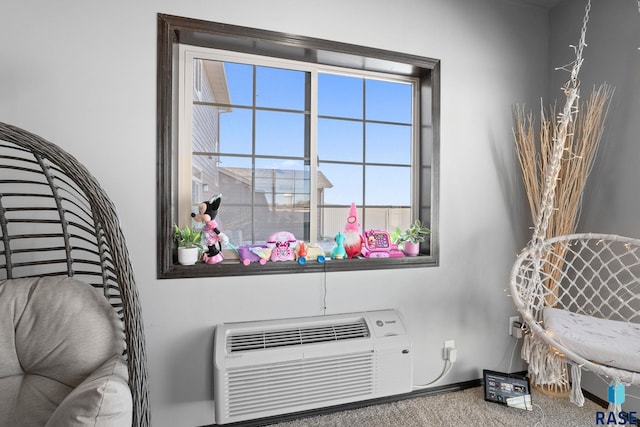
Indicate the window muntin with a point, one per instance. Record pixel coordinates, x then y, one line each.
172 30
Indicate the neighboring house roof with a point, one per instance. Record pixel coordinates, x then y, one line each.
244 175
218 81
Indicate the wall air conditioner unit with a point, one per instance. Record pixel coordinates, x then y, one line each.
273 367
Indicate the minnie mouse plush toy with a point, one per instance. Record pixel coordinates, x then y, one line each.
213 238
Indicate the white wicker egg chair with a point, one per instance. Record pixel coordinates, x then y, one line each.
578 294
599 276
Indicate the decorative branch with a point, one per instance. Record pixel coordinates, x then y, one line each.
535 148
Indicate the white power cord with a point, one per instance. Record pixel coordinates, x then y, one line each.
450 358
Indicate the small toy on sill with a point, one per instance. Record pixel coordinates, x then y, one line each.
309 252
352 238
302 253
254 253
377 244
212 237
338 251
282 244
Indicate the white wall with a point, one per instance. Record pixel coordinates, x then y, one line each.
82 74
611 200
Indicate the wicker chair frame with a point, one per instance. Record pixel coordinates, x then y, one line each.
56 220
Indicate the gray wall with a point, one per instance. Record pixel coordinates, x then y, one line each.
612 200
82 74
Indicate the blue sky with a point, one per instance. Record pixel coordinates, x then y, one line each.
281 133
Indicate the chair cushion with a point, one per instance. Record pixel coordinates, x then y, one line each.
56 327
609 342
103 399
28 400
54 333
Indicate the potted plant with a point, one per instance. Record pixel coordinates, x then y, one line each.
189 244
411 237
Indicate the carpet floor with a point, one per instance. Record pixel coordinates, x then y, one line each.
466 407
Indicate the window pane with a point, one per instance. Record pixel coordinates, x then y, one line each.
230 176
285 182
282 198
236 131
387 218
332 221
388 143
280 134
210 82
280 201
204 179
205 128
239 83
388 101
278 88
339 140
345 181
234 180
388 186
340 96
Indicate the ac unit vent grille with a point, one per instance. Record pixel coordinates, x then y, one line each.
258 340
273 386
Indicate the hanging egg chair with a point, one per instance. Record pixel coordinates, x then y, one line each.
578 293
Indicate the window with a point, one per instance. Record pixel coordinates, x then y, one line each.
291 131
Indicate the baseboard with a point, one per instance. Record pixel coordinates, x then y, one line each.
595 399
353 405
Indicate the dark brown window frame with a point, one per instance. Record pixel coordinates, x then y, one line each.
173 30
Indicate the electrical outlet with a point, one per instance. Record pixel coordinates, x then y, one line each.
512 319
448 345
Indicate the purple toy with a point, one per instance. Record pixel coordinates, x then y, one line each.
254 253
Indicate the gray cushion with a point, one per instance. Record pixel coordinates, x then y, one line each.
12 304
28 400
103 399
54 333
